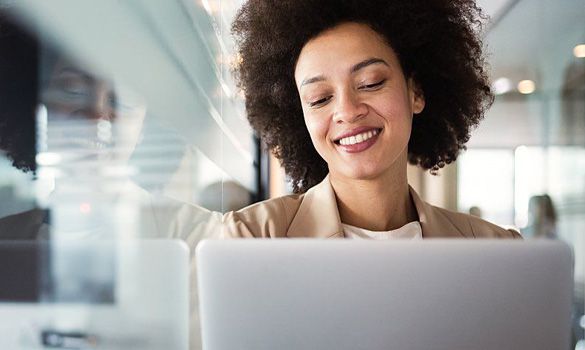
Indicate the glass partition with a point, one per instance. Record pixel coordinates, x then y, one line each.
119 120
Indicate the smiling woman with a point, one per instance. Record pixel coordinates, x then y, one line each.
345 93
436 45
361 121
361 103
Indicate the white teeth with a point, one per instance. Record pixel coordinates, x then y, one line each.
352 140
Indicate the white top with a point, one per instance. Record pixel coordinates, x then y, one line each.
412 230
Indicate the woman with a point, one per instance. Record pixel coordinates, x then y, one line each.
345 93
542 218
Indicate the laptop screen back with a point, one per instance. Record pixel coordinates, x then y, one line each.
296 294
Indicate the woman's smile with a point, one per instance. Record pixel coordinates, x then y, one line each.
358 140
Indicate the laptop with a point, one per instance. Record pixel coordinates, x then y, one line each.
91 294
435 294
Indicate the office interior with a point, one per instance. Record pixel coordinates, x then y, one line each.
136 110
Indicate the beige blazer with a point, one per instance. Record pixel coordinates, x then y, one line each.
314 214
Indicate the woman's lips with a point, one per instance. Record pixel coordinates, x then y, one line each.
359 142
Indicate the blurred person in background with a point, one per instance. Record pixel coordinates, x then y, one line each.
542 218
475 211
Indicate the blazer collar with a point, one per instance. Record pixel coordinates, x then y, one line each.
318 216
433 222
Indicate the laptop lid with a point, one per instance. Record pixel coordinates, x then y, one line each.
455 294
91 294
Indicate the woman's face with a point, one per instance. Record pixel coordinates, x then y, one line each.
74 92
84 119
357 104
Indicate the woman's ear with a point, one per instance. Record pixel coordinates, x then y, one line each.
417 96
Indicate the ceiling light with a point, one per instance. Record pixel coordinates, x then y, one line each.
526 87
579 51
501 86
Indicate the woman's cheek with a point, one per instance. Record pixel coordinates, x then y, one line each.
391 105
318 129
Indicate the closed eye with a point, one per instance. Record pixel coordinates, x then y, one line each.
320 102
373 86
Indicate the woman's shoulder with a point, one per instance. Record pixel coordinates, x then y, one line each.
267 219
24 225
475 227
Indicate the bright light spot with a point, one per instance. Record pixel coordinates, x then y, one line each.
42 114
85 208
226 89
207 7
49 173
42 118
582 322
48 158
526 87
580 345
579 51
501 86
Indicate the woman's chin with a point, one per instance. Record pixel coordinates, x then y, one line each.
361 173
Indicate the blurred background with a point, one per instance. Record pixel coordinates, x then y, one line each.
525 163
113 113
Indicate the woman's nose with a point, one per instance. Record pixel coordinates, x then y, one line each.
349 108
100 106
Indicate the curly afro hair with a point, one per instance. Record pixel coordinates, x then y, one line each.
437 43
19 54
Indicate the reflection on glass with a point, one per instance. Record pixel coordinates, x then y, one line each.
123 129
85 141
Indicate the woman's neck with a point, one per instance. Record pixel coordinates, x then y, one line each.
379 204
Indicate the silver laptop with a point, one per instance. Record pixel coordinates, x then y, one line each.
90 294
436 294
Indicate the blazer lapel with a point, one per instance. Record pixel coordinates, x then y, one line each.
318 216
433 223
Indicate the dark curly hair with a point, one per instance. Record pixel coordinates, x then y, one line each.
437 43
19 75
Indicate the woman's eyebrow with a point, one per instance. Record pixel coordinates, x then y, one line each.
313 80
76 72
368 62
354 68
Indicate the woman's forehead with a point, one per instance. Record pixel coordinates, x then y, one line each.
340 49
